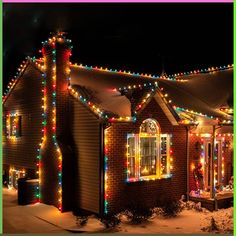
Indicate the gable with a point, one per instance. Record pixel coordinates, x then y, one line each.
27 90
157 109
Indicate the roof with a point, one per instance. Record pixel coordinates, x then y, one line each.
205 93
101 87
193 96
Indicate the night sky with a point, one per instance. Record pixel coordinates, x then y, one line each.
135 37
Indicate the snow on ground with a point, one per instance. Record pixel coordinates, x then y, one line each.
21 219
41 218
188 221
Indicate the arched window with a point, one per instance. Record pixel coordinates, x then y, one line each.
148 153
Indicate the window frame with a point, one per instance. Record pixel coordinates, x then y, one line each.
137 154
157 140
168 154
11 131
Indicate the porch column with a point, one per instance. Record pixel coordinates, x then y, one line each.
212 185
187 152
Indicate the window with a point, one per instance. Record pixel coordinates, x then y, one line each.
13 125
14 175
148 153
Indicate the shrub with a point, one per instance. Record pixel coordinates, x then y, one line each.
171 208
212 227
81 220
110 221
138 213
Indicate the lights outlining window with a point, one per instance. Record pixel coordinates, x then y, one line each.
14 175
13 125
166 152
149 153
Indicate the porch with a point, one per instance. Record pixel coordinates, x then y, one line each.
223 199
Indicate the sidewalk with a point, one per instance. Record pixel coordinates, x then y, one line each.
21 219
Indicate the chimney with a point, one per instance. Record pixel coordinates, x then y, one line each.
56 54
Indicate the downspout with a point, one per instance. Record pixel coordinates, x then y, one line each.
187 153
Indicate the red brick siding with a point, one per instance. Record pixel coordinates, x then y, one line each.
50 156
121 193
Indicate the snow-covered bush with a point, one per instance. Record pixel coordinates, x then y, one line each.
138 213
189 205
212 227
171 208
81 220
110 221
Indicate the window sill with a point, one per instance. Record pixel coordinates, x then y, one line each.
148 178
13 138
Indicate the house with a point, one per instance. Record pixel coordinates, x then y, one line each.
98 139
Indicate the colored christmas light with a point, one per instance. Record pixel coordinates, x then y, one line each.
17 173
12 126
168 77
100 113
105 172
137 158
43 139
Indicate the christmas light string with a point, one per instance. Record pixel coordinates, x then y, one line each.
129 73
202 71
43 139
13 81
99 112
106 172
17 173
178 109
52 44
172 77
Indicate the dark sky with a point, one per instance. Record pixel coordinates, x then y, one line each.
135 37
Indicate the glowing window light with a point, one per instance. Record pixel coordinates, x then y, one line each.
14 175
163 165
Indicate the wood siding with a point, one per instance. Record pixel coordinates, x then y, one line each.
86 135
25 100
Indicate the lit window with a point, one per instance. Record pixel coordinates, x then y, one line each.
148 153
13 125
14 175
165 156
131 156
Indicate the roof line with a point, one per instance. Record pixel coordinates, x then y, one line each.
100 113
202 71
172 77
17 77
124 72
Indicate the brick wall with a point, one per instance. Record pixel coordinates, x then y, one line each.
121 193
50 156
